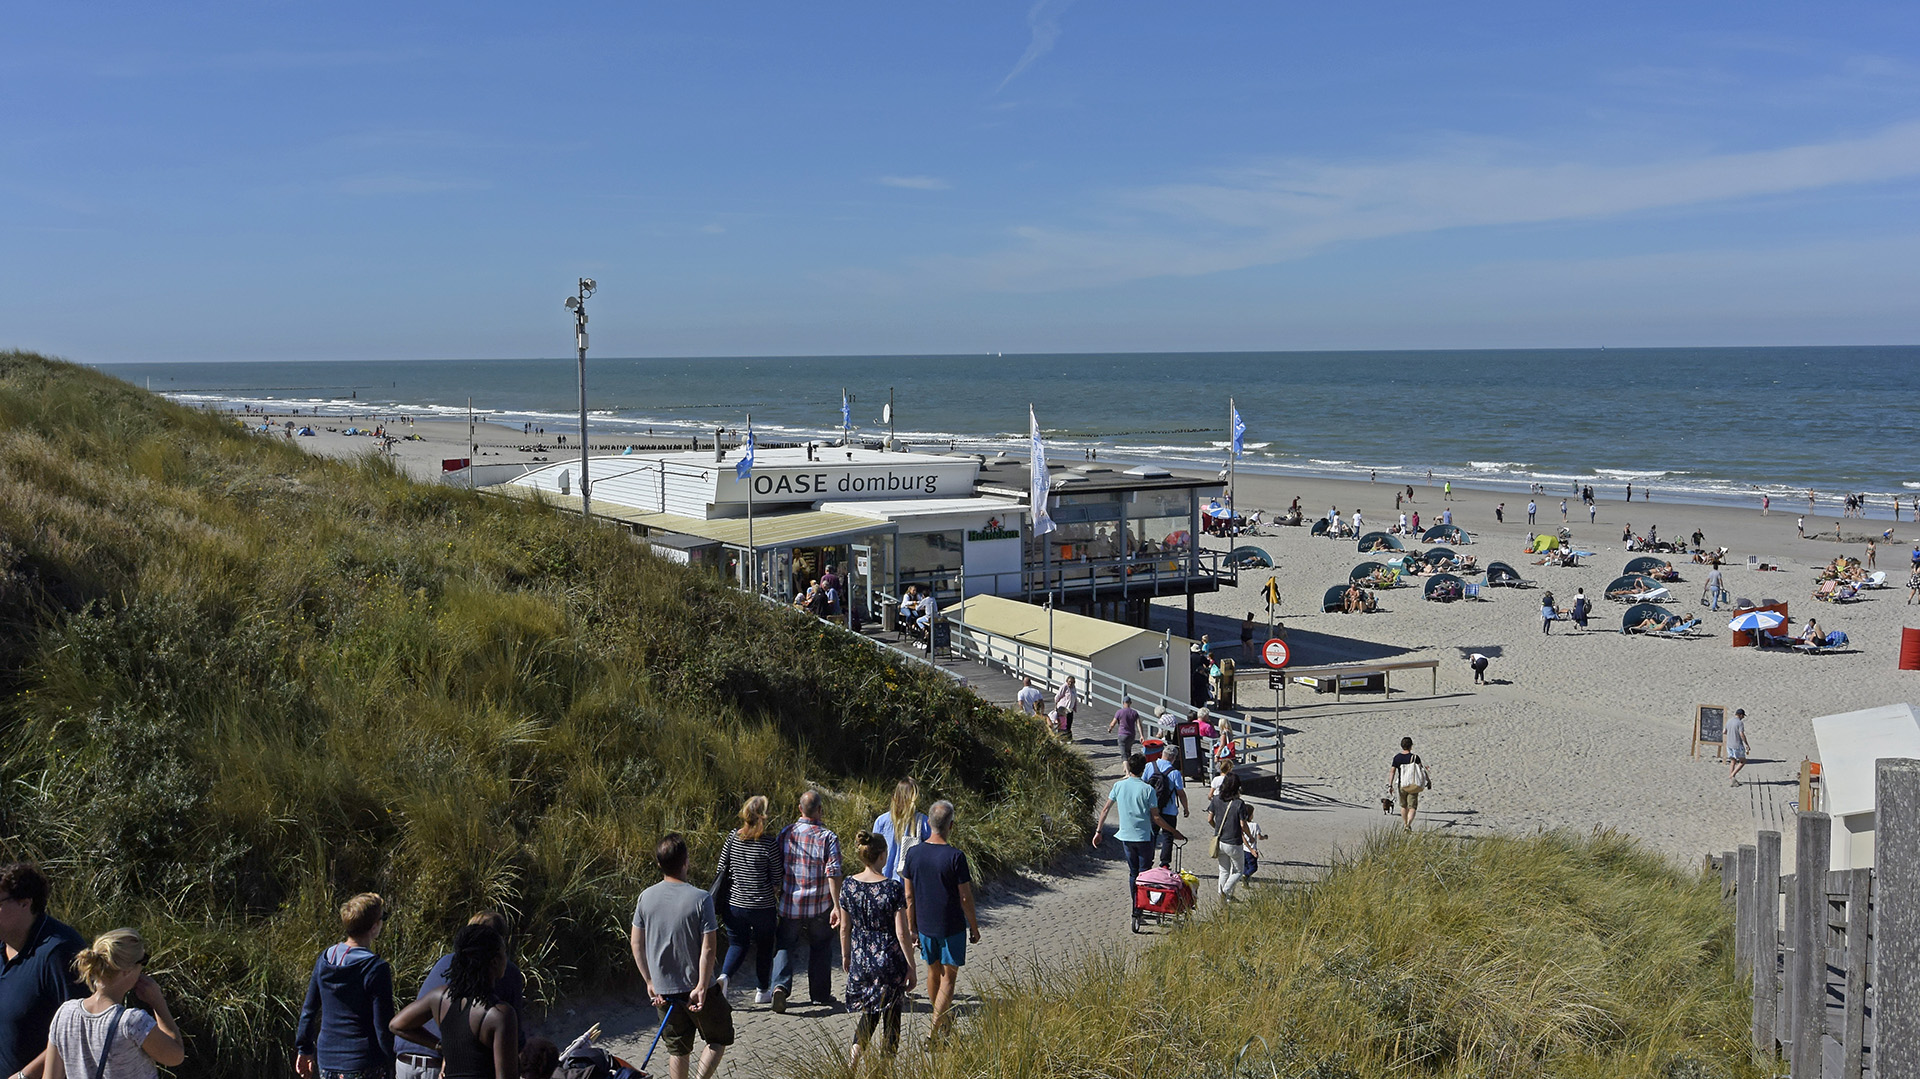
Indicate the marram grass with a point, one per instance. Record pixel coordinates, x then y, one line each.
1574 957
238 683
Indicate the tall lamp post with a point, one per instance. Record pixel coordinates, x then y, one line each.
578 305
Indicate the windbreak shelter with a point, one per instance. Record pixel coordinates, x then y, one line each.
1335 599
1445 587
1379 541
1644 564
1365 570
1446 534
1437 555
1499 573
1640 612
1632 584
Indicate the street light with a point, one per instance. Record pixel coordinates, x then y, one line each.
578 305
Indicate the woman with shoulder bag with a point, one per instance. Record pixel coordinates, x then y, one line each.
100 1037
1407 776
1232 832
747 893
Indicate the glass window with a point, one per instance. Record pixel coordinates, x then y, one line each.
930 558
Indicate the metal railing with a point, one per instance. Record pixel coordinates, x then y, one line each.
1159 708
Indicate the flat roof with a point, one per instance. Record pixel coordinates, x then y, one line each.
1012 476
1850 744
769 529
1073 634
899 508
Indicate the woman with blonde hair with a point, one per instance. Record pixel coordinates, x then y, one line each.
100 1037
903 826
747 883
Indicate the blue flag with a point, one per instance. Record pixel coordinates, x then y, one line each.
846 410
1239 429
745 468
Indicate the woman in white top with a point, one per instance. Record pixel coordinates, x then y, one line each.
1068 698
132 1041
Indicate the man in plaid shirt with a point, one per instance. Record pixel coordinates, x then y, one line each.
809 904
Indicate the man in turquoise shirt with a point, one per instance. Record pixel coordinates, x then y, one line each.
1137 820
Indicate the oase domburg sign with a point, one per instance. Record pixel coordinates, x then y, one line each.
815 482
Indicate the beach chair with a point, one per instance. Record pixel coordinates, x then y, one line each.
1651 595
1876 579
1687 630
1501 575
1472 590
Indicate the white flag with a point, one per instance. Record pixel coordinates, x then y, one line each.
1042 522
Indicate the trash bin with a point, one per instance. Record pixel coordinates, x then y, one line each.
889 617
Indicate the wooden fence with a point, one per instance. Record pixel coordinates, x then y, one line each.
1835 956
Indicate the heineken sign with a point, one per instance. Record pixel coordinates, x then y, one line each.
994 531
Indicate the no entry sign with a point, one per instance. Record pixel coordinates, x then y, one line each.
1274 653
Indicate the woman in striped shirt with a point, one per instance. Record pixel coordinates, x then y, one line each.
750 861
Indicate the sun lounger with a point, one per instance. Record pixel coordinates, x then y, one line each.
1876 579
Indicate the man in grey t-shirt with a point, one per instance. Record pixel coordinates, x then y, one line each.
674 940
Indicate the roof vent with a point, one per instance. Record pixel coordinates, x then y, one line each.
1151 472
1090 470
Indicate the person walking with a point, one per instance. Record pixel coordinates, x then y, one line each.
475 1033
674 940
1247 628
343 1031
1532 507
1500 513
1913 586
1800 523
1766 505
1407 776
1030 697
1547 614
1716 589
1736 733
940 899
1872 549
421 1059
38 975
1593 513
1581 609
1563 511
1135 824
1126 721
1447 491
876 946
751 867
100 1037
1232 832
902 826
809 904
1170 792
1069 699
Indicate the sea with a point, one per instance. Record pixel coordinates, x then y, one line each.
1703 425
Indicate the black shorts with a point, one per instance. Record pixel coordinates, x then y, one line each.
714 1022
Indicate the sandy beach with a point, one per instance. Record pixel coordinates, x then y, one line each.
1580 730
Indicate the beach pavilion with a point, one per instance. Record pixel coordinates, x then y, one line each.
1851 744
956 523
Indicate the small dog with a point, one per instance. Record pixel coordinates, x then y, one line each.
1386 805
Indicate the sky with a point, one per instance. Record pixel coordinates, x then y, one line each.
279 180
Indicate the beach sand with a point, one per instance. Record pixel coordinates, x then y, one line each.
1579 730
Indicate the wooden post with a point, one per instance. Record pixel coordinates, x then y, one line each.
1813 837
1896 918
1745 904
1853 1032
1729 879
1765 949
1785 993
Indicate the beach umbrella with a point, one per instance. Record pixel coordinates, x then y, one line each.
1753 620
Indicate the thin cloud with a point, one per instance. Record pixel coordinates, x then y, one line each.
916 183
1295 208
1043 24
402 184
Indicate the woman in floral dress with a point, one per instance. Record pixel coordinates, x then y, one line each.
876 946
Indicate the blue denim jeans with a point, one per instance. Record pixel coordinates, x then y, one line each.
750 929
815 935
1139 860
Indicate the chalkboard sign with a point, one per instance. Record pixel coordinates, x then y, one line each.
942 636
1710 728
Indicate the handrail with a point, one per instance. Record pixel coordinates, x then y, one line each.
1047 666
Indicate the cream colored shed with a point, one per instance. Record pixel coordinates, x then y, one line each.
1850 743
1104 657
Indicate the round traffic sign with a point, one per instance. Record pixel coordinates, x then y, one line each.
1274 653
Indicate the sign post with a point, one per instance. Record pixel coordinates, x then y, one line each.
1709 729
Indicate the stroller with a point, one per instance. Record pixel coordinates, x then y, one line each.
1161 893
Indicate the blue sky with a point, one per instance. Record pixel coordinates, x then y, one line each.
341 180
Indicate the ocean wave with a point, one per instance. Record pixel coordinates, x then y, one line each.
1498 466
1630 474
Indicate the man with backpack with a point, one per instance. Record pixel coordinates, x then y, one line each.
1169 793
1407 777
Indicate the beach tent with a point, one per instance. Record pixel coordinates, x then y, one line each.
1249 557
1544 543
1501 574
1446 534
1364 570
1438 555
1643 564
1638 582
1434 582
1851 744
1335 600
1379 541
1320 527
1640 612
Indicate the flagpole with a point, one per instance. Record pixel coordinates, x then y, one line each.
1232 459
753 553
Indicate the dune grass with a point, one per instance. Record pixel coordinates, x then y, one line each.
239 683
1578 957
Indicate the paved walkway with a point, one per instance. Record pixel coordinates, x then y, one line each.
1039 919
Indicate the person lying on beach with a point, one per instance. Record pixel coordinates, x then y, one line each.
1655 621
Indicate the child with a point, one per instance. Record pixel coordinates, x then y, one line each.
876 947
